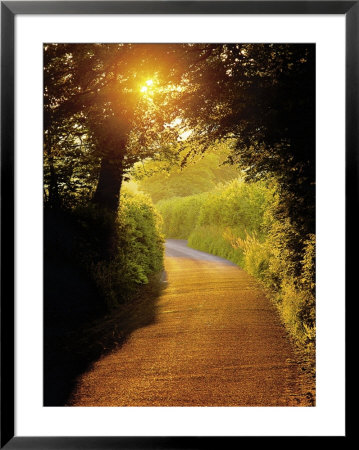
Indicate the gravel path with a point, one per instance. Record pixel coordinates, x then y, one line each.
217 341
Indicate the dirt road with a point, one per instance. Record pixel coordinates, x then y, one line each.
217 342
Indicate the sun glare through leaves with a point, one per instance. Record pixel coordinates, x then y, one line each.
146 86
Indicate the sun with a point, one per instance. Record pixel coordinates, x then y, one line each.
148 84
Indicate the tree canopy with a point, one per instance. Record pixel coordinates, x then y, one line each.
108 106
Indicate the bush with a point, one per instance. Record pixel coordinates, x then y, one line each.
238 204
139 249
95 269
116 254
180 215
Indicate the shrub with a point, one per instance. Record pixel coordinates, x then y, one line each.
180 215
117 254
139 249
238 204
95 262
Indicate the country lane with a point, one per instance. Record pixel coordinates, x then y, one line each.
217 341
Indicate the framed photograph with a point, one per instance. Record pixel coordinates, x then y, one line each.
174 187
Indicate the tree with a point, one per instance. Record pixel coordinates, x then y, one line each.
94 106
261 95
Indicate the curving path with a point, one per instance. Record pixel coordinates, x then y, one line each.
217 342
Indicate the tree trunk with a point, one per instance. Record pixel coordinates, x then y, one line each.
107 193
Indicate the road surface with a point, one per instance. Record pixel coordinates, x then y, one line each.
217 341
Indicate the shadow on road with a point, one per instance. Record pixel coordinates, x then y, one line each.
76 333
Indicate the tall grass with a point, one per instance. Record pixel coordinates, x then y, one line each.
212 239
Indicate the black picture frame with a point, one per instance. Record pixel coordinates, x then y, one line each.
9 9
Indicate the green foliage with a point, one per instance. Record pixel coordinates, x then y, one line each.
237 204
212 239
180 215
139 225
186 175
264 96
256 255
260 96
248 224
101 283
117 254
71 170
138 249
